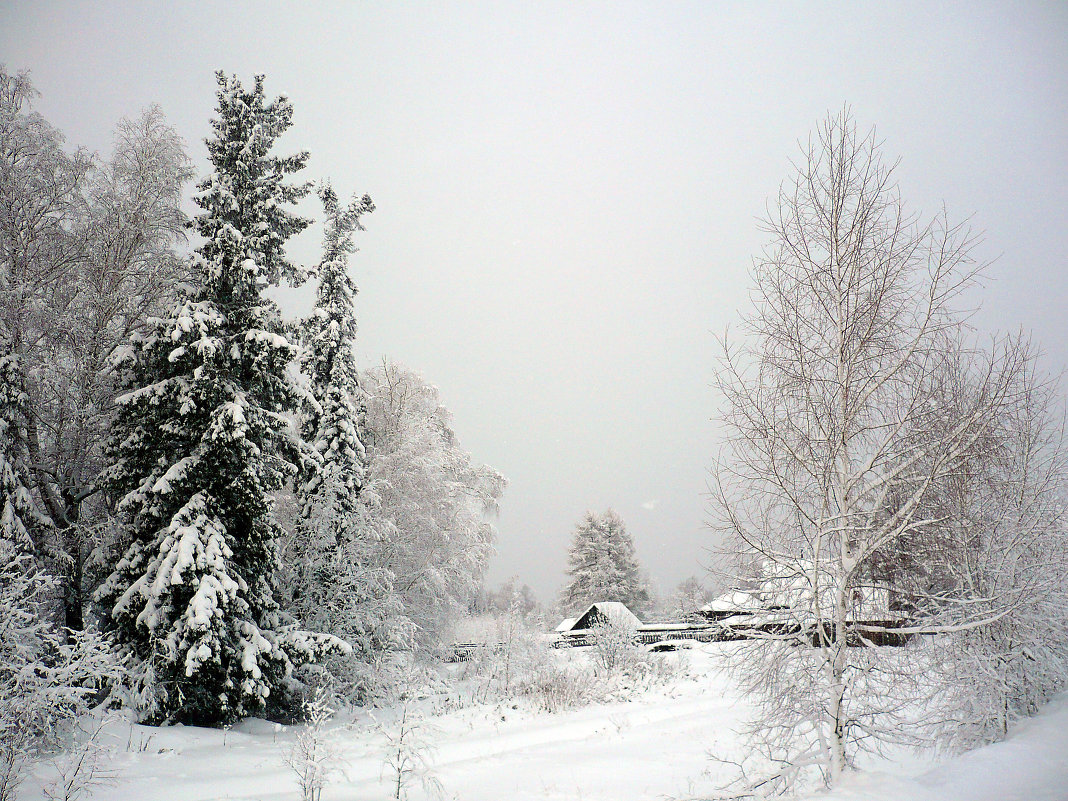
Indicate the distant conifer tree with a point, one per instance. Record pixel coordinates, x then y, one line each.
602 566
340 583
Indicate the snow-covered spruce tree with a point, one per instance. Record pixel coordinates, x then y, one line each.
602 566
202 439
333 418
590 571
21 525
338 580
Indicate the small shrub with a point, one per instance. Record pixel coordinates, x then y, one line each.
625 665
408 754
84 768
615 648
313 757
508 664
47 679
556 688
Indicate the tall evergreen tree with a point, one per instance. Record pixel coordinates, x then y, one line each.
333 417
203 438
340 584
602 565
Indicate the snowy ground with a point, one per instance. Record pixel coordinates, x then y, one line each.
1031 765
654 746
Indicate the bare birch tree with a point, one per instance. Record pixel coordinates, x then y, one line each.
430 504
853 324
88 250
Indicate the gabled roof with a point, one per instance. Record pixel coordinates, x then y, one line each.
614 611
567 624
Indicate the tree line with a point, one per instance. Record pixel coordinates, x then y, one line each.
186 522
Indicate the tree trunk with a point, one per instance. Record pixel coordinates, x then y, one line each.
838 690
73 618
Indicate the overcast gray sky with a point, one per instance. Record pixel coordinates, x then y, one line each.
568 192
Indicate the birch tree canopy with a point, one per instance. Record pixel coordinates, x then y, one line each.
856 321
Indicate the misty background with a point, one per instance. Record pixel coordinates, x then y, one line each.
568 197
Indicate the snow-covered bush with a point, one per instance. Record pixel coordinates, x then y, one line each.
512 658
513 649
517 660
313 757
84 767
558 686
624 665
47 680
614 646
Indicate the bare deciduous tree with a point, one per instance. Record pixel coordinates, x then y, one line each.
1000 543
87 252
430 504
853 328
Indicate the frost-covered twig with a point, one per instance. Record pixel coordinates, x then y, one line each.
86 767
313 757
408 754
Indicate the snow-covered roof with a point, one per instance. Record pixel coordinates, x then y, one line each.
673 626
737 601
615 611
743 620
567 624
789 586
